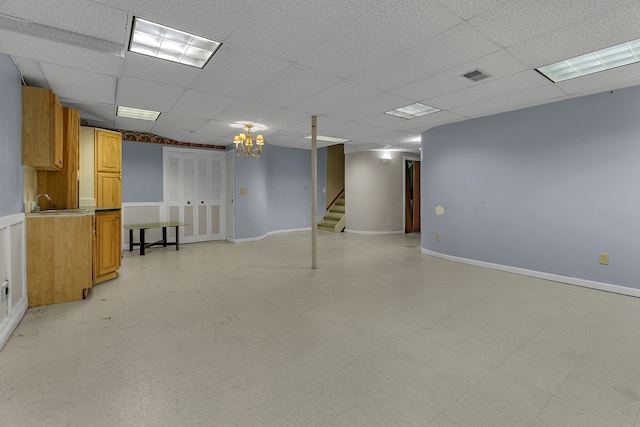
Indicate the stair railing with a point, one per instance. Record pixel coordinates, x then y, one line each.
335 199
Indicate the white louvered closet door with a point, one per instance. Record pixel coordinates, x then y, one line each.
210 214
194 183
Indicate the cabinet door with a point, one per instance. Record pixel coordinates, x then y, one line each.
108 151
108 243
71 155
108 190
41 129
58 133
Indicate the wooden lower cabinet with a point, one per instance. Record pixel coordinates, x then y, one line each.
59 255
108 245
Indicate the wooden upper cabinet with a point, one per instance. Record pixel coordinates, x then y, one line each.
62 185
42 129
108 151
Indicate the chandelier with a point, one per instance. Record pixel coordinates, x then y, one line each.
245 145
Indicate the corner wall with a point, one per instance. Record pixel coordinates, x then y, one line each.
544 189
374 192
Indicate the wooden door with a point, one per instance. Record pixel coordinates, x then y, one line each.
210 216
412 196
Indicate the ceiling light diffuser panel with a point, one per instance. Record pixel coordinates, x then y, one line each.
136 113
160 41
412 111
604 59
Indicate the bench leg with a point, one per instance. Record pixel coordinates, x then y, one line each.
130 240
164 237
142 244
177 239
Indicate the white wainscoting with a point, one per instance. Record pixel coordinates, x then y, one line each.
142 212
13 269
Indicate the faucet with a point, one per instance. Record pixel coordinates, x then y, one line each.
37 208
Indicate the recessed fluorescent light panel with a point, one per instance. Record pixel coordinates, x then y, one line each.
160 41
604 59
412 111
329 139
136 113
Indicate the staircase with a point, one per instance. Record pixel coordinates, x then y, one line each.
334 220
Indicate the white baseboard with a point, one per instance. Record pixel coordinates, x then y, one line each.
370 233
264 236
10 323
540 274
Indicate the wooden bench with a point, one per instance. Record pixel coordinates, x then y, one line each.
163 242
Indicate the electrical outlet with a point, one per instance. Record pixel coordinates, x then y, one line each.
604 259
438 237
5 290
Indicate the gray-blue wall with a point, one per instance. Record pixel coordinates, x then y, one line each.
547 188
141 172
11 171
278 187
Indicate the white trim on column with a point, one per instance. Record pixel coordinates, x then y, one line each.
540 274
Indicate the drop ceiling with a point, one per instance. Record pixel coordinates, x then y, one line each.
281 61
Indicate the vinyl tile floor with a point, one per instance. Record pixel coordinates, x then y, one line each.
222 334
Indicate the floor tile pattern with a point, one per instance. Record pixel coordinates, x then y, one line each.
222 334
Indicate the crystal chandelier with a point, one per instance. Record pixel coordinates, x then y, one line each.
245 145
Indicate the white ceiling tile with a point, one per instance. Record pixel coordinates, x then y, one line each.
212 19
289 29
628 75
468 9
25 46
381 32
84 17
31 72
170 132
518 20
99 112
158 70
217 128
235 71
286 117
498 64
246 111
292 85
335 97
456 46
80 85
377 104
147 95
420 124
537 96
489 89
586 36
133 124
187 123
202 104
119 4
323 123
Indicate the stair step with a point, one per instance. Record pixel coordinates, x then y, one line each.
329 222
334 215
340 201
337 208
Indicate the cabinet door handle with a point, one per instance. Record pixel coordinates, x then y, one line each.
202 201
188 203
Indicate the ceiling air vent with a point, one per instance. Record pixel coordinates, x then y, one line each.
476 75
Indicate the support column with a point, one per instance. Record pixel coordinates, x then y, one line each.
314 192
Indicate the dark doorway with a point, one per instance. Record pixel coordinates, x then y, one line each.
412 196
